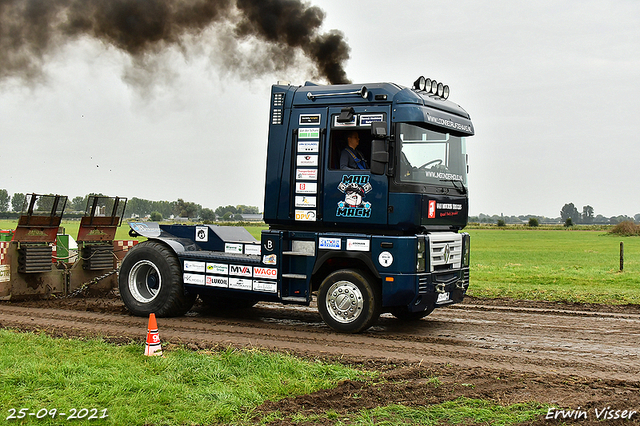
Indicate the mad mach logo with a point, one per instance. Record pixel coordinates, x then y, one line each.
355 188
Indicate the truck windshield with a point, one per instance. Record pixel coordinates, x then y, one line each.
432 157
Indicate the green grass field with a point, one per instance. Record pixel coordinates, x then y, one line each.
118 385
554 265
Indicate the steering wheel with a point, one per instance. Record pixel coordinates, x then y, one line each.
437 162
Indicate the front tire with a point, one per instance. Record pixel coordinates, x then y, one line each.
151 281
348 301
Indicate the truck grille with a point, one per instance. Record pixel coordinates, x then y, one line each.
445 249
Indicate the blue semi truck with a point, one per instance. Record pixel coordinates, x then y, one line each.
383 235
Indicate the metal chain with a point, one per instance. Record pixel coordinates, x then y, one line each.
86 285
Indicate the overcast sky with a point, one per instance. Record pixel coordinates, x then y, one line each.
553 89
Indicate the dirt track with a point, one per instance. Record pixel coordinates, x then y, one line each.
565 355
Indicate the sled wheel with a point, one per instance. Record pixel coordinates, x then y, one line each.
150 281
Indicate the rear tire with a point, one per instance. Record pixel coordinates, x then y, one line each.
151 281
348 301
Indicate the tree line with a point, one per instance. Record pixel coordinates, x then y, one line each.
569 215
138 207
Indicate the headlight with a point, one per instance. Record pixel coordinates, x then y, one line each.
421 256
466 242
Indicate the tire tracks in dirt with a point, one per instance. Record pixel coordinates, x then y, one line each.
572 342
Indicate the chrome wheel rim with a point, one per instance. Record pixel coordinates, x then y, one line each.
145 281
344 302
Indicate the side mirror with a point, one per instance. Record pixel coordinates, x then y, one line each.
379 148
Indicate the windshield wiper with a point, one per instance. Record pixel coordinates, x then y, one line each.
461 189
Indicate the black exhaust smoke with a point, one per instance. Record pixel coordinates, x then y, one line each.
31 31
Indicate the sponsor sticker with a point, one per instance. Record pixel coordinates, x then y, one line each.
191 266
307 160
330 243
307 174
366 120
233 248
151 229
253 249
241 270
202 234
306 215
309 133
240 284
306 188
309 119
352 123
193 279
431 213
308 146
448 206
385 259
357 245
265 286
268 245
269 273
5 273
213 281
217 268
305 201
270 259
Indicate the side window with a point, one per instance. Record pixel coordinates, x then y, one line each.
339 148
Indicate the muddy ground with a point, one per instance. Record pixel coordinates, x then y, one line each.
506 351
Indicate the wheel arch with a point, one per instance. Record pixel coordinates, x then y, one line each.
333 261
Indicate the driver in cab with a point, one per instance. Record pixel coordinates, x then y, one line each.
351 158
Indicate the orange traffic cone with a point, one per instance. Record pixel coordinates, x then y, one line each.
153 348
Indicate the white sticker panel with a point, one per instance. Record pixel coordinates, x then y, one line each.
254 249
193 279
307 160
307 174
241 270
265 286
240 284
214 281
191 266
306 215
385 259
233 248
217 268
306 188
308 146
305 201
357 245
202 234
268 273
309 133
330 243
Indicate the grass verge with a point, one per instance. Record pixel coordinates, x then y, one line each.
183 387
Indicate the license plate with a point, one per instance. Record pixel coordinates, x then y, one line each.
443 297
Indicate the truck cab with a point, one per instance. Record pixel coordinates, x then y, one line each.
365 199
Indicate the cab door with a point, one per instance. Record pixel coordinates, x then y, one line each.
353 197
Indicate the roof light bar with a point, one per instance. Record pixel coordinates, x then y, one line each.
432 87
